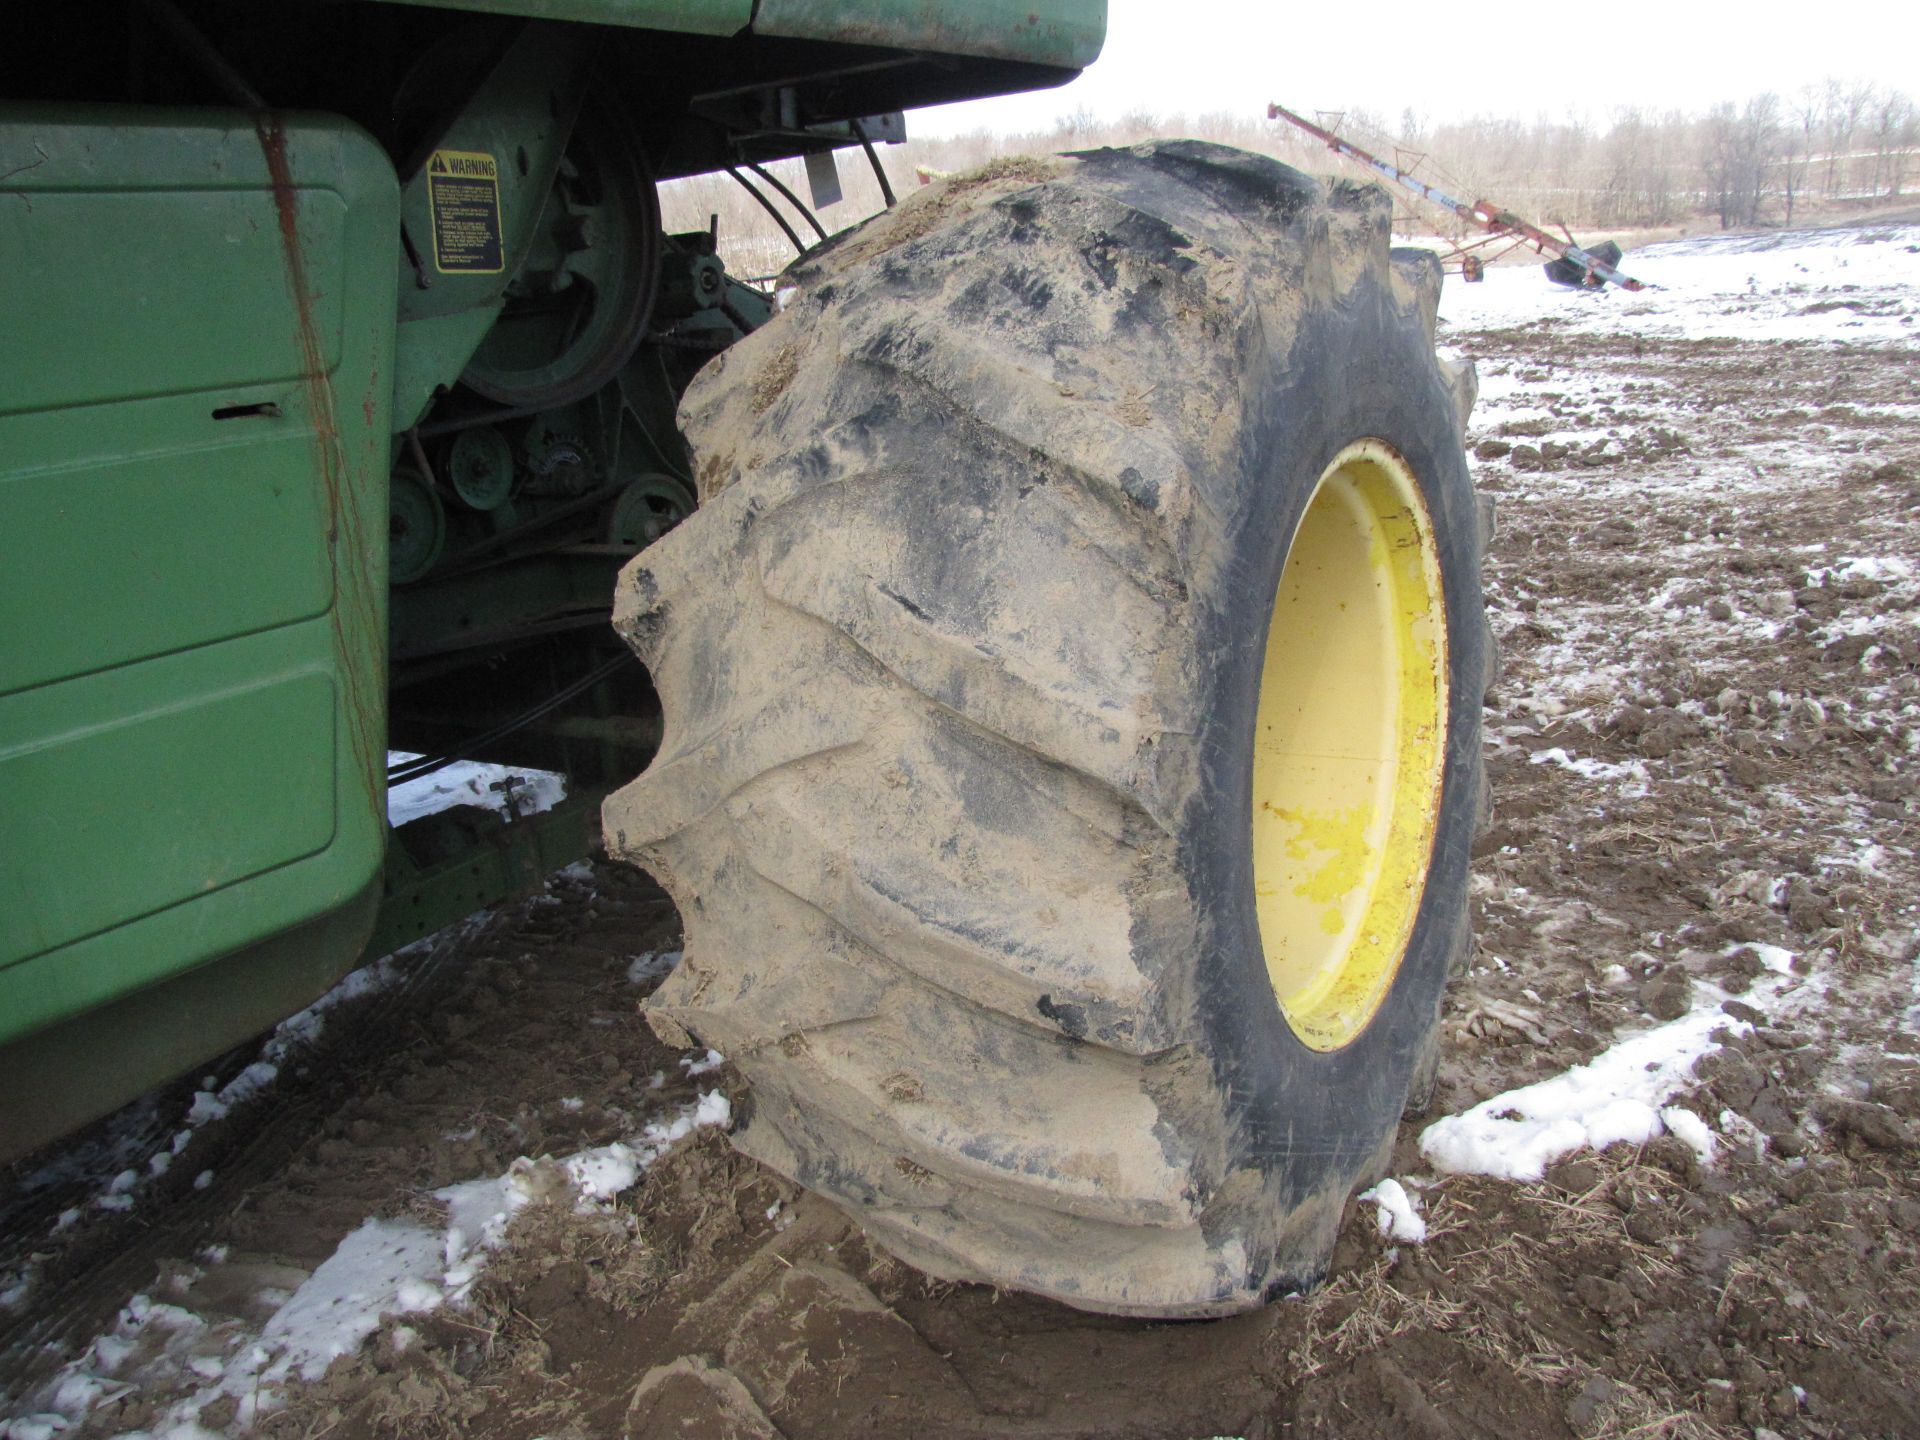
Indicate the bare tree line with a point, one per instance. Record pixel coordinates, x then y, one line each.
1833 140
1767 160
1756 162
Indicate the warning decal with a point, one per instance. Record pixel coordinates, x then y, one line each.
463 192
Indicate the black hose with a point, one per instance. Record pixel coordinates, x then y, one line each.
873 159
768 206
424 765
791 198
201 51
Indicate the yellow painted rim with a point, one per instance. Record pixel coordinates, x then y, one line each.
1349 745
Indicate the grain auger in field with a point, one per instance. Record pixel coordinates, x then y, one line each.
1059 633
1506 232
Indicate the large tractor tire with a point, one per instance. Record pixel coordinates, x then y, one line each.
1072 682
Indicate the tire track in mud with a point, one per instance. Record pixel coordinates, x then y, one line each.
446 1071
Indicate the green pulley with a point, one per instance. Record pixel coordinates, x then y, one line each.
480 467
647 509
416 527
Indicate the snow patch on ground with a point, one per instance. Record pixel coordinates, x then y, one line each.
1400 1218
125 1189
469 782
1588 768
1619 1095
376 1270
1888 569
385 1268
1852 285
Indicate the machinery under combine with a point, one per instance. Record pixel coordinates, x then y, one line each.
1059 639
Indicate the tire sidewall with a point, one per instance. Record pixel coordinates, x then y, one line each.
1309 1118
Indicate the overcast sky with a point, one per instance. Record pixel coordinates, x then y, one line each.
1449 60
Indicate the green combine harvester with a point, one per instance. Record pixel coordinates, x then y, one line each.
1049 646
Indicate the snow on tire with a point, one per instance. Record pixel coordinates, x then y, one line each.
965 660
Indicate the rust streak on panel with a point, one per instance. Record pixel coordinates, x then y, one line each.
347 533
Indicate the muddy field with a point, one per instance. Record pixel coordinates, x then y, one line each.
1705 580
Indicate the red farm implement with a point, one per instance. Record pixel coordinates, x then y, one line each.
1505 231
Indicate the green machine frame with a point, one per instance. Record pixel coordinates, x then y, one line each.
341 351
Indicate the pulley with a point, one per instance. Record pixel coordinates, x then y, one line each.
556 456
647 509
580 298
480 467
416 526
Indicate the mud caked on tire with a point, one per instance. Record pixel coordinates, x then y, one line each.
1072 683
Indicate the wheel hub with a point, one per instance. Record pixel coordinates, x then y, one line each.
1349 745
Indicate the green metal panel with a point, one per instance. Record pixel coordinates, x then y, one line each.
258 539
1066 33
70 1073
692 17
120 319
114 789
194 435
1063 33
500 859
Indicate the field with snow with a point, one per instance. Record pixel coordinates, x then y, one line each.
1665 1186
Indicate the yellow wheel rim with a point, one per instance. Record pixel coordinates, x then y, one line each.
1349 745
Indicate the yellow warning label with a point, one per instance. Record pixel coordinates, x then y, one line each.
463 192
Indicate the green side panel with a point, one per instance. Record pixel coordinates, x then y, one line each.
78 1070
258 539
126 329
691 17
193 453
118 790
1066 33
